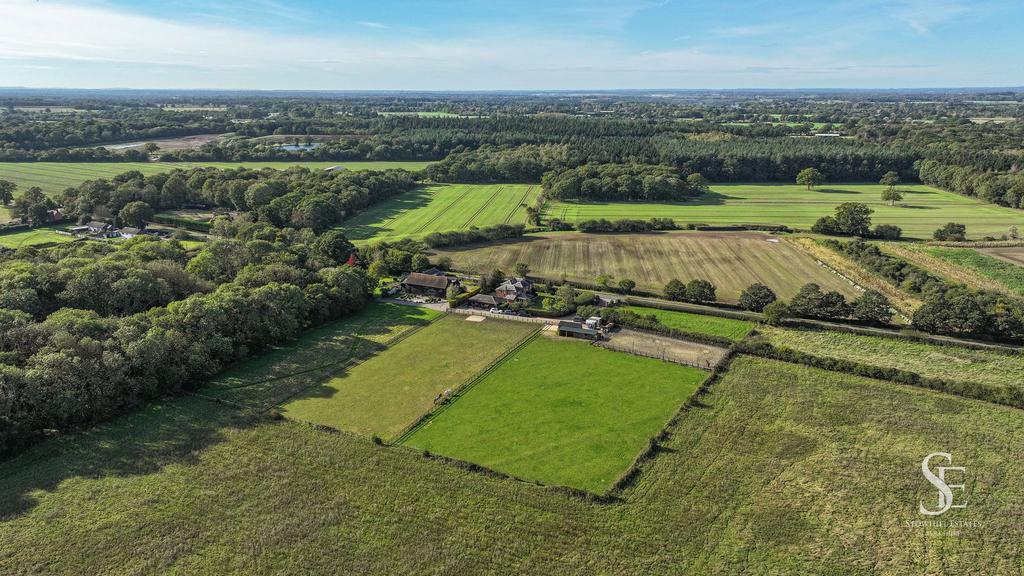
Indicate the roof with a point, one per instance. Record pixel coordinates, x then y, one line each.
97 224
576 327
130 230
484 299
434 272
426 280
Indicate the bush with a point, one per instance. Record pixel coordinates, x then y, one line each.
756 296
951 232
700 291
675 290
776 312
887 232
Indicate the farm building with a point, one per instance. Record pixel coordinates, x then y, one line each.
577 330
129 232
419 283
434 272
96 227
514 289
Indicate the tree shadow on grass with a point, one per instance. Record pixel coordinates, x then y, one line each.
174 431
916 207
368 224
837 191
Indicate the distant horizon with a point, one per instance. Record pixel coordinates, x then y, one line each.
470 46
520 91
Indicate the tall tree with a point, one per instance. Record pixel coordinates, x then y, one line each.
810 177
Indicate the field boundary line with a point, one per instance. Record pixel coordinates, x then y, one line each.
483 206
465 387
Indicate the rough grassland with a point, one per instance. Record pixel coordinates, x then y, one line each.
697 323
946 362
922 211
35 236
730 260
54 177
542 416
390 391
441 208
317 355
946 268
785 470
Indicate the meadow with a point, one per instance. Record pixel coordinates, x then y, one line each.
317 355
54 177
930 360
442 207
34 237
730 260
778 464
391 390
922 210
540 416
730 328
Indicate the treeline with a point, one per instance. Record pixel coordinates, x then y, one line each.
524 163
948 309
474 235
297 197
67 364
1006 189
622 182
623 225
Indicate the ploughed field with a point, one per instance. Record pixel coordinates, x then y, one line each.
922 210
54 177
730 260
777 464
440 208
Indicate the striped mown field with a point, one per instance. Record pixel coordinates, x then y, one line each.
33 237
730 260
440 208
54 177
922 210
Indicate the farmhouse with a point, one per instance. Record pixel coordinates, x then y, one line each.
129 232
419 283
514 289
97 227
577 330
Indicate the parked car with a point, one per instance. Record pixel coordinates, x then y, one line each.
496 311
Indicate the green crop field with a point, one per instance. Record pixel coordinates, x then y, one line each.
697 323
441 208
922 211
54 177
317 355
1009 275
391 390
33 237
930 360
779 464
541 416
730 260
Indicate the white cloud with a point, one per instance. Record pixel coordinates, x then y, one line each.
923 15
378 25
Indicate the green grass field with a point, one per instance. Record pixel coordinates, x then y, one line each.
317 355
441 208
730 260
1005 273
542 416
391 390
730 328
922 211
35 236
780 464
930 360
54 177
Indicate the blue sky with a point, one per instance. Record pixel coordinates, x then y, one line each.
495 45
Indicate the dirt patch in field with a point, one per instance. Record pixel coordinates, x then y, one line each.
665 348
475 318
1013 255
165 144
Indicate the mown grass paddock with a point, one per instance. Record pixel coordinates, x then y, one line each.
391 390
732 261
951 363
54 177
440 208
35 237
922 210
317 355
561 412
696 323
777 464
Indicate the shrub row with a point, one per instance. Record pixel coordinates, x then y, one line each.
474 235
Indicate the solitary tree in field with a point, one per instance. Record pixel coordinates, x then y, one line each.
891 194
810 177
951 232
7 189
